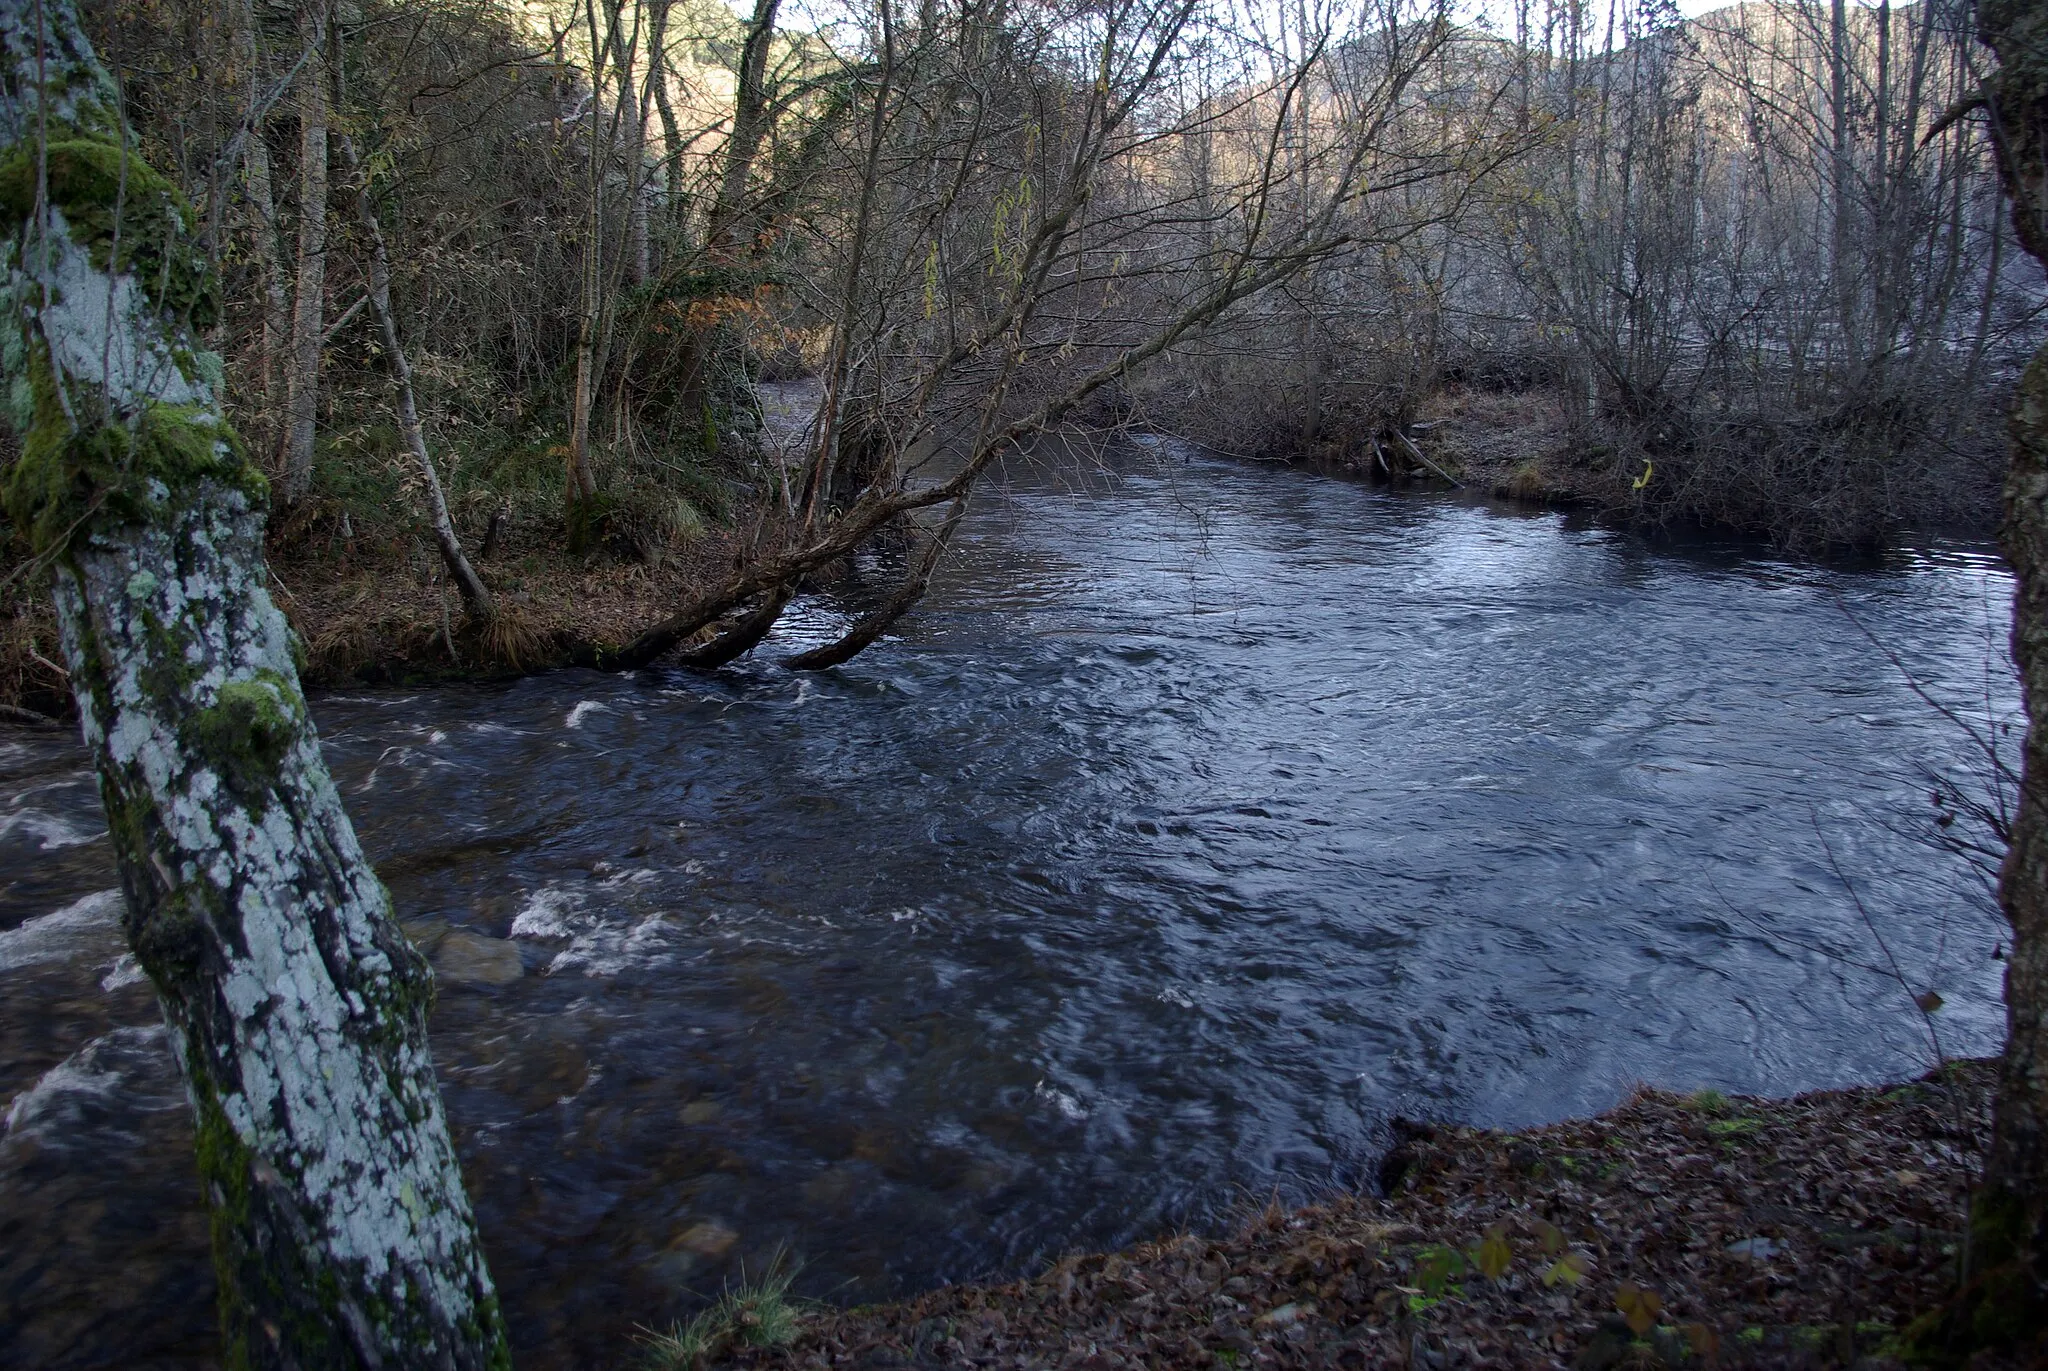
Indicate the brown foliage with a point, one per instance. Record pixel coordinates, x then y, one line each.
1674 1230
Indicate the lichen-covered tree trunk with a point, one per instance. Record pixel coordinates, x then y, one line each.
2006 1298
341 1233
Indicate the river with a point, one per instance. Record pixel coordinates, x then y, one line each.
1204 818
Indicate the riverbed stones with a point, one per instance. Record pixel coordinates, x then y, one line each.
708 1239
466 958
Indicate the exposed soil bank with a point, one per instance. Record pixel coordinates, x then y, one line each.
380 619
1741 1232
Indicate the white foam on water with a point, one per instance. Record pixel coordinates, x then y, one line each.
125 971
49 831
547 914
98 1070
66 1077
1174 995
583 710
1068 1106
404 758
83 926
638 877
609 949
602 942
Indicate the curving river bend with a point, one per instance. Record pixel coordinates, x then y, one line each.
1204 818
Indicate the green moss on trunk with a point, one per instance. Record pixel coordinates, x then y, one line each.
67 472
126 216
248 729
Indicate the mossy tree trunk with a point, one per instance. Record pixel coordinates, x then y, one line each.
341 1233
2005 1298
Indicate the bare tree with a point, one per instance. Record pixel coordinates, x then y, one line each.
996 196
475 597
309 297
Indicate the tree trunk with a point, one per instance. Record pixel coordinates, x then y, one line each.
883 617
671 131
263 232
745 634
342 1237
1840 180
2005 1297
302 387
730 228
581 484
475 598
634 111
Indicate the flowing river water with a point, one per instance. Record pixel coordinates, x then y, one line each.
1204 818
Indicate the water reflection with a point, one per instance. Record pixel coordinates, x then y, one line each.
1203 818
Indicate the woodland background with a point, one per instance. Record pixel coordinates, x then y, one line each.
1747 269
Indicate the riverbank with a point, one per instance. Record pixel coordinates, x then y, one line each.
383 615
363 588
1673 1230
359 581
1809 484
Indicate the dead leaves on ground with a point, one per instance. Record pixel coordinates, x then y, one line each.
1674 1231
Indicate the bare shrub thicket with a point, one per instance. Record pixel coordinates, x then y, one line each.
1759 253
533 200
1745 268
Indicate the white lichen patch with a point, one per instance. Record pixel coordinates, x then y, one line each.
96 327
332 1096
54 64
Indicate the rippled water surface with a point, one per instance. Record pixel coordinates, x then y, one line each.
1204 818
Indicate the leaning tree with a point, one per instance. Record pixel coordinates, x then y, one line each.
341 1232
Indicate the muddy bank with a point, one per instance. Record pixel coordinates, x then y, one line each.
1673 1230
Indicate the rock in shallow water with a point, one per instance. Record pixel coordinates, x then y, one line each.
466 958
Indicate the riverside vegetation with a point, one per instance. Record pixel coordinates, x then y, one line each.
1762 257
498 286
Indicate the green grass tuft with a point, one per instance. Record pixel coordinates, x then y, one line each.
753 1314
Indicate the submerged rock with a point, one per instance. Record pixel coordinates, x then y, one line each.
466 958
708 1239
